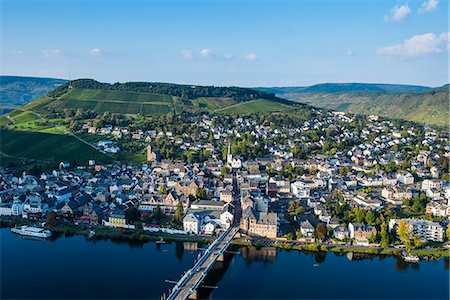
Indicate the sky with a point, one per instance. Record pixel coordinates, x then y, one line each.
227 42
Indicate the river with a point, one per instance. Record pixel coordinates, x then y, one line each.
75 268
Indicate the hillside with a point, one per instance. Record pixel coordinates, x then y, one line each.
16 91
414 103
153 99
50 119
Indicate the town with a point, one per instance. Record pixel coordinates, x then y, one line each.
335 179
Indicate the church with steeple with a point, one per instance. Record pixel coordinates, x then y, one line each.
233 162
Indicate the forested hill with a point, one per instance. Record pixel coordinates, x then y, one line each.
349 88
16 91
413 103
188 92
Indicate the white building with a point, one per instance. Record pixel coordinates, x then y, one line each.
191 224
17 208
300 189
423 229
405 178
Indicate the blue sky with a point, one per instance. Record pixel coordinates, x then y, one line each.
228 42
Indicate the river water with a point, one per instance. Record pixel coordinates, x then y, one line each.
75 268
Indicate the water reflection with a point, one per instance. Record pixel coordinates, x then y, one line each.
320 256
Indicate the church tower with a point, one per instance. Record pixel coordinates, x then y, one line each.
151 156
229 155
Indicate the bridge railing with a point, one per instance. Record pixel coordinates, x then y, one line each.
192 271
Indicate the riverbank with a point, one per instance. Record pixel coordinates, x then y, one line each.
427 254
145 236
107 232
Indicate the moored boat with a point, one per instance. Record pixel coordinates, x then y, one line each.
32 231
91 234
161 241
411 258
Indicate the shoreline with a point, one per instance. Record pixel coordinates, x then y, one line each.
143 236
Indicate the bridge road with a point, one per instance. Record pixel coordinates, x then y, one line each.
187 286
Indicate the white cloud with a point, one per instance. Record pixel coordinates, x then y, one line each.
206 53
52 53
228 56
428 5
96 52
187 54
398 13
251 56
419 45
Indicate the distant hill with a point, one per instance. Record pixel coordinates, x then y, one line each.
349 87
16 91
415 103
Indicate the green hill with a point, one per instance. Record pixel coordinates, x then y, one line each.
152 99
45 148
16 91
47 121
414 103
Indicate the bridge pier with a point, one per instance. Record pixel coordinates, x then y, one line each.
193 296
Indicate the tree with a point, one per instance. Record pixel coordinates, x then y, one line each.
405 234
370 218
321 231
51 219
132 215
200 193
163 190
295 208
157 213
179 213
384 235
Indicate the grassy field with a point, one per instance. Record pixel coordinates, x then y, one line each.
213 103
114 101
25 145
104 95
25 117
255 106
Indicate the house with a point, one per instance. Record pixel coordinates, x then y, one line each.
226 195
341 232
227 216
395 195
17 208
117 218
429 184
360 230
300 189
259 223
366 201
207 205
437 209
5 209
405 178
306 229
191 223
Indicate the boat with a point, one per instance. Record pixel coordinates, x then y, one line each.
411 258
32 231
315 265
91 234
161 241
